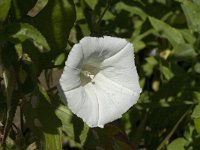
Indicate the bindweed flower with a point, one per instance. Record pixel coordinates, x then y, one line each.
100 81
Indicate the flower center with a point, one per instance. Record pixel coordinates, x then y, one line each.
88 73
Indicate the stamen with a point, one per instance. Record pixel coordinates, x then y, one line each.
88 74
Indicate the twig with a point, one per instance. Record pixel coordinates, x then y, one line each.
105 10
163 143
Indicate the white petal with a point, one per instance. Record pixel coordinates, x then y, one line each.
121 68
115 87
113 99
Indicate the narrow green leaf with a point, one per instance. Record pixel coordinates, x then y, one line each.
196 118
166 31
192 13
52 141
131 9
4 9
92 3
197 124
149 66
24 31
20 8
197 67
166 72
183 51
196 95
60 59
163 143
188 36
40 4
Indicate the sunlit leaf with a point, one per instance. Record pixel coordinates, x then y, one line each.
177 144
138 45
166 31
183 51
23 31
52 141
60 59
40 4
131 9
4 9
197 67
149 66
72 125
92 3
192 13
20 9
188 36
196 112
166 72
197 124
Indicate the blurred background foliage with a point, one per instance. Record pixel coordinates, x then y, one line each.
35 39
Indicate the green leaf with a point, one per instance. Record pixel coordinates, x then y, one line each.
20 8
188 36
52 141
149 66
131 9
41 119
4 9
183 51
166 72
197 67
196 112
79 14
166 31
60 59
72 125
108 16
92 3
55 21
177 144
196 95
23 31
40 4
162 1
196 117
192 13
197 124
197 2
138 45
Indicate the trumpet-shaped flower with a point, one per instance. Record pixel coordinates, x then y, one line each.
100 81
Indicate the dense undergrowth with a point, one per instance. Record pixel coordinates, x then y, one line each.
35 39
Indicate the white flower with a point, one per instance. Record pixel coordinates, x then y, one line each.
100 81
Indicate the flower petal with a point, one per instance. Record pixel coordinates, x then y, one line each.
115 86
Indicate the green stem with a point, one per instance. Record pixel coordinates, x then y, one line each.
10 116
105 10
164 142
